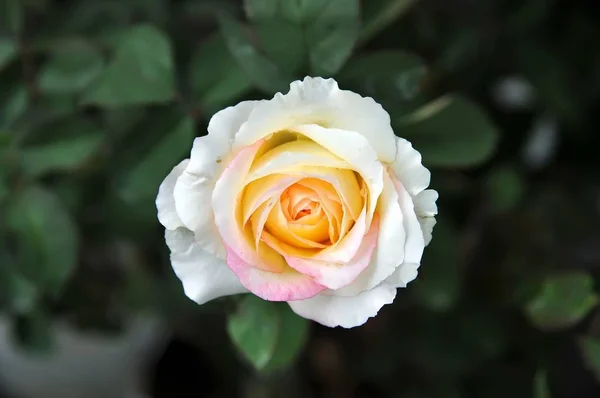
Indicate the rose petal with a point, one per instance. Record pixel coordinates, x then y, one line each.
259 191
408 168
427 224
344 182
165 200
279 228
204 277
225 205
210 153
390 249
290 155
425 203
336 275
404 274
415 244
354 149
193 190
320 101
192 200
346 312
285 286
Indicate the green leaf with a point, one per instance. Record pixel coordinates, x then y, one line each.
11 15
261 9
269 335
71 69
439 284
8 51
281 35
451 131
260 70
540 385
142 181
292 337
379 14
332 35
393 78
216 78
254 328
14 107
283 42
303 11
46 237
562 301
141 71
590 348
61 155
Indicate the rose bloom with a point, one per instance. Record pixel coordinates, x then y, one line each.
308 198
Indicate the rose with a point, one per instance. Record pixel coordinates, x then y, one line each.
307 198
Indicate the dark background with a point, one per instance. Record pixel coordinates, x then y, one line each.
519 216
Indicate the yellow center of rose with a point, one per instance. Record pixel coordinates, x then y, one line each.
300 200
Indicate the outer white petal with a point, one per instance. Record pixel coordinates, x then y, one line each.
204 277
209 153
400 239
165 201
389 252
320 101
192 200
408 168
194 187
425 205
427 224
404 274
346 312
426 209
415 244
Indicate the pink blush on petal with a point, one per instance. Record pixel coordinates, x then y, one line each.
336 276
286 286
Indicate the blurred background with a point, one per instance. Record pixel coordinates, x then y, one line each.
100 99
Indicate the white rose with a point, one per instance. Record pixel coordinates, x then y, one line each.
308 198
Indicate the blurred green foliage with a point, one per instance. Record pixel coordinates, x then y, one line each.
99 100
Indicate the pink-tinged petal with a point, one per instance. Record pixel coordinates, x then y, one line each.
389 252
165 200
347 312
193 189
404 274
285 286
336 275
227 213
204 277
